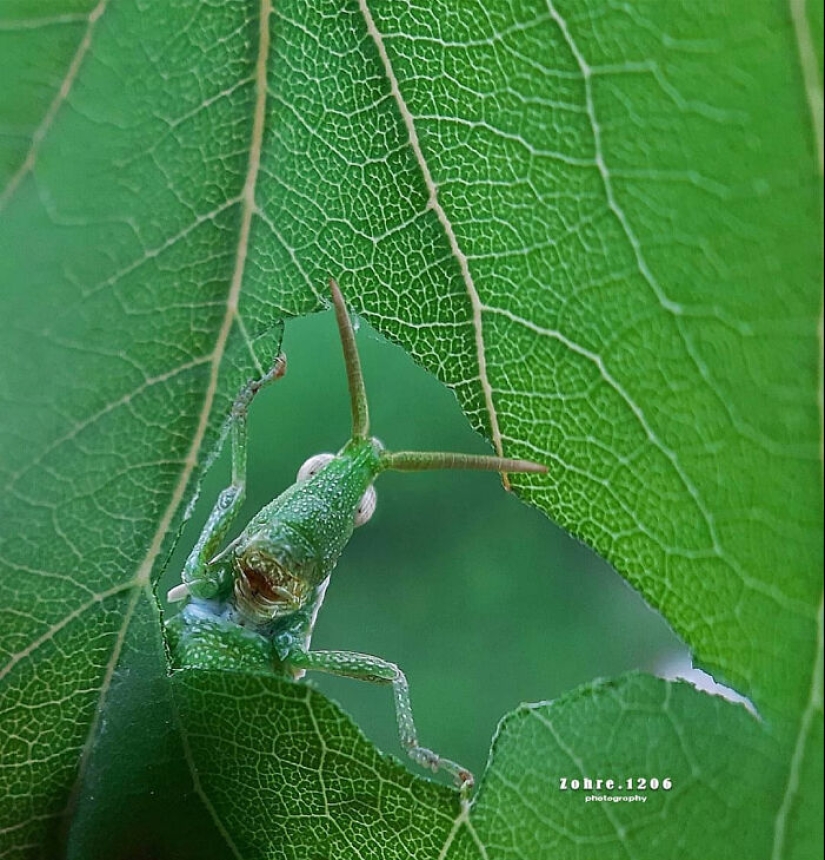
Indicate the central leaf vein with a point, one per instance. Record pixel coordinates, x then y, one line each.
449 230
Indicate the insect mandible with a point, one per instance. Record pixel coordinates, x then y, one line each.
254 603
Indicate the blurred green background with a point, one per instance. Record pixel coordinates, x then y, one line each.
482 601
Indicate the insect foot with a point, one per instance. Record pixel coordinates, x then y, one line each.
243 400
424 757
252 605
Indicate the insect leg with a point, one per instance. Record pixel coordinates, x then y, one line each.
363 667
200 578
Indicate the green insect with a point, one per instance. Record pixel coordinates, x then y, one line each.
254 604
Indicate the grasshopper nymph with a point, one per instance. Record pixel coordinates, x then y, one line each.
254 603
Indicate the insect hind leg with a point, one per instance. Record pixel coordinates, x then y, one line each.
364 667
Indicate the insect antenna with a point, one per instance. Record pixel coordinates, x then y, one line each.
355 379
421 461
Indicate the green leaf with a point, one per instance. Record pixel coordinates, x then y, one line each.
715 768
598 225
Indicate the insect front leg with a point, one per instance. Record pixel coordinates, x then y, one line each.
364 667
200 578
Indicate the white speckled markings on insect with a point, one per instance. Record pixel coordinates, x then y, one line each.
254 603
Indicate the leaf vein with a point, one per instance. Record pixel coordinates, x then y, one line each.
810 74
813 706
446 224
62 94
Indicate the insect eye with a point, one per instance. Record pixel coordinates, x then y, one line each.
314 465
366 507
